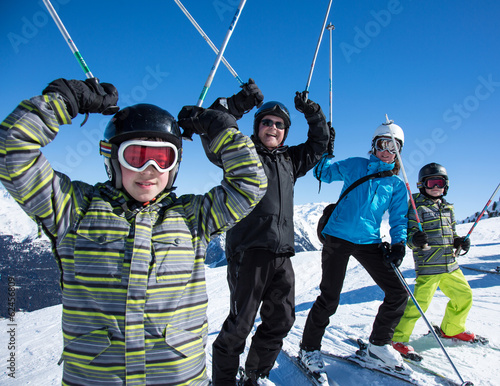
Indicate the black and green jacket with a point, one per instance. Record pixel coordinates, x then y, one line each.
438 222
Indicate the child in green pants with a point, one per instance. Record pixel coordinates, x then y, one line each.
435 266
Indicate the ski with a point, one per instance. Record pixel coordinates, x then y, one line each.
414 362
496 272
317 379
413 357
444 379
360 360
477 339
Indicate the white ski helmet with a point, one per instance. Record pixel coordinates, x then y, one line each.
385 129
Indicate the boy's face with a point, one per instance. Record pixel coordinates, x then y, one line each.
435 191
146 185
434 186
145 166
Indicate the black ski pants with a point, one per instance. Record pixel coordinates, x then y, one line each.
334 259
256 278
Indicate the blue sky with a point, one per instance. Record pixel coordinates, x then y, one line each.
432 66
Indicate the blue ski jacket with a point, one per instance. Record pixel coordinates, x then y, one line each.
358 216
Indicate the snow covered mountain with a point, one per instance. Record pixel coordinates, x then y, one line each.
305 219
493 210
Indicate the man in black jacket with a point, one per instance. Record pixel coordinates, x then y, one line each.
258 249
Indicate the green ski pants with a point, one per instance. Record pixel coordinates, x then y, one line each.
455 286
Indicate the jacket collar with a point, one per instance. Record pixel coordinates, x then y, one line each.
262 149
375 165
128 204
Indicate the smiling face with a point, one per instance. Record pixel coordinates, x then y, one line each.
146 185
270 136
384 149
385 156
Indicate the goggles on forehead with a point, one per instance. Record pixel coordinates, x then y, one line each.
386 144
137 155
432 182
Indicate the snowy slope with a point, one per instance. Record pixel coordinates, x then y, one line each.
38 338
13 220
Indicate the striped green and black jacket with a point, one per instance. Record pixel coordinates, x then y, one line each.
133 282
438 222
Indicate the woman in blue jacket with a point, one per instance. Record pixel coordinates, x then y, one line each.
354 229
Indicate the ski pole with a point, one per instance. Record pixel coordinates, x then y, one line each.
331 142
111 109
388 122
479 218
408 290
221 52
68 39
207 39
306 91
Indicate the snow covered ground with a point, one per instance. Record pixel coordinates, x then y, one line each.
38 337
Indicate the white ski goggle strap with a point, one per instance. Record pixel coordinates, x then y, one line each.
137 155
386 144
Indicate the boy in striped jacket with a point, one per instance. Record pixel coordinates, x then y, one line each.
435 260
131 252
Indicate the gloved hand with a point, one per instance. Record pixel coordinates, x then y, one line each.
419 239
331 141
87 96
242 102
463 243
396 255
305 105
194 119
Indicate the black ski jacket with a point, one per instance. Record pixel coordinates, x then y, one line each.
270 224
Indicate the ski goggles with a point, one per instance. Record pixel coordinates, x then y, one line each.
269 123
386 144
432 182
137 155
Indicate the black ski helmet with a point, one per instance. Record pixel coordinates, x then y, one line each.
275 108
139 121
432 170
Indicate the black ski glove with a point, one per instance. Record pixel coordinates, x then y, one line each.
311 110
242 102
419 239
194 119
87 96
463 243
396 255
305 105
331 141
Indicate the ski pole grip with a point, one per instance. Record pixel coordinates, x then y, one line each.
305 95
331 141
187 135
110 110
